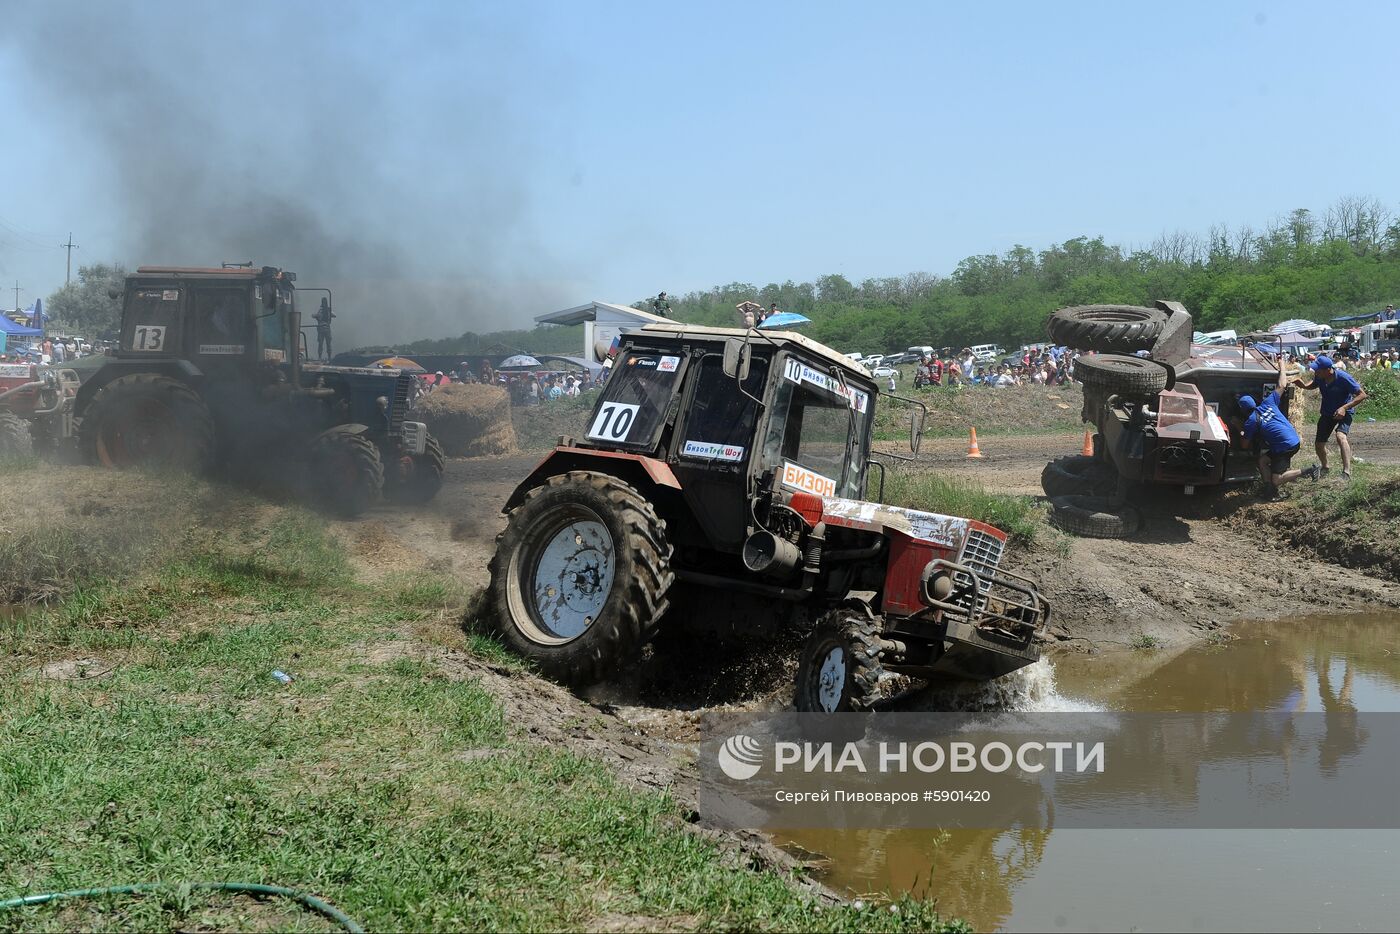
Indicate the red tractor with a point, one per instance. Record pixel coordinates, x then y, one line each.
721 464
36 408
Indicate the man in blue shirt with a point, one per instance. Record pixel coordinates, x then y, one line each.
1277 439
1340 394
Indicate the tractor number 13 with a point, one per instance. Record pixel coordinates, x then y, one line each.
148 337
613 421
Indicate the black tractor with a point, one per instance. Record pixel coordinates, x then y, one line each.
209 373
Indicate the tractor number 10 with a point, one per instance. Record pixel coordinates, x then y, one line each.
613 421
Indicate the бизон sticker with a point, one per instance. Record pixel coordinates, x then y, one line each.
709 450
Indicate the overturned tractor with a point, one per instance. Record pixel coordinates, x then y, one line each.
729 463
209 373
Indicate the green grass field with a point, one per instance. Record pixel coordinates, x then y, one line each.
146 741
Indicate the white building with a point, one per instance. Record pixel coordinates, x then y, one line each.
602 321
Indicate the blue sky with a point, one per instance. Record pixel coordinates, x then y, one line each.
517 158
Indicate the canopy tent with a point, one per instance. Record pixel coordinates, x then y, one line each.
785 319
18 330
1294 325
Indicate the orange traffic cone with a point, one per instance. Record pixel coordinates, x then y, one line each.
1088 450
972 449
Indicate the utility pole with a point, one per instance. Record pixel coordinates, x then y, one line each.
70 246
16 295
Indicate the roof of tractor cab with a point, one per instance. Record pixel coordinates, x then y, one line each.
758 338
197 272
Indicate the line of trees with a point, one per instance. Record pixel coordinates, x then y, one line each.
1303 265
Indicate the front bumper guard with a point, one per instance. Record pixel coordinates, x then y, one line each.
1002 605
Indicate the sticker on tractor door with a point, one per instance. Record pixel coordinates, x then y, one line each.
800 478
224 349
712 451
170 295
798 372
14 370
148 337
274 355
669 364
613 422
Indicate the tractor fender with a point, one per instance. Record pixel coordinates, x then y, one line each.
181 370
626 465
349 428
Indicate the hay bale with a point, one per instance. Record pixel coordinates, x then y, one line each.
471 420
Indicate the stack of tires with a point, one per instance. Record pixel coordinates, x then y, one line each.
1085 492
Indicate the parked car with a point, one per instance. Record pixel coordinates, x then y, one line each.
873 360
885 371
986 352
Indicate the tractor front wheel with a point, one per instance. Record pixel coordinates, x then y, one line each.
14 436
346 474
580 577
144 420
419 476
840 666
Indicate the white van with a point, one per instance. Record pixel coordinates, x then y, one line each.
922 351
987 351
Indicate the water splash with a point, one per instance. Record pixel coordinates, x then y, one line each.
1028 690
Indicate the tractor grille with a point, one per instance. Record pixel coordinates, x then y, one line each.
398 409
982 553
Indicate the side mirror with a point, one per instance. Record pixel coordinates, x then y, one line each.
114 294
916 429
737 354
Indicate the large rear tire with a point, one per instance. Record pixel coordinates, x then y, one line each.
580 577
1107 328
1077 473
346 474
145 420
419 477
1095 517
15 440
1113 373
839 669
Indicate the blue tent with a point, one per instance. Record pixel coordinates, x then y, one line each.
1368 316
18 330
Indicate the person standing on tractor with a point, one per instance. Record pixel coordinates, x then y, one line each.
1278 439
660 306
323 318
1340 393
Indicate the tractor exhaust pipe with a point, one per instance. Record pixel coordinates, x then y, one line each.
294 326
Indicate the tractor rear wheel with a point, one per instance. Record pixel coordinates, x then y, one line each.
1107 328
15 440
580 577
1077 473
346 473
144 420
419 476
839 668
1125 375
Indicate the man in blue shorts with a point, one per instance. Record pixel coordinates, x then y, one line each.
1340 394
1277 439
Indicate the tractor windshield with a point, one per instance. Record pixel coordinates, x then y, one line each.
819 431
634 399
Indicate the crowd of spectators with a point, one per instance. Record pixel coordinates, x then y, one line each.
1050 367
525 388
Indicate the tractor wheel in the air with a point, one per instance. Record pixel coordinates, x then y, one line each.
1077 473
15 440
1095 516
1113 373
839 666
144 420
346 475
580 577
1107 328
418 477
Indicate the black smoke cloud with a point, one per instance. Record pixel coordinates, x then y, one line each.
388 162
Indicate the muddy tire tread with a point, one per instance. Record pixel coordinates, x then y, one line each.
191 412
368 466
1094 517
15 437
428 470
639 607
859 634
1114 373
1121 329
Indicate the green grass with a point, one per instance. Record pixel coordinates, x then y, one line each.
1018 516
375 779
1383 387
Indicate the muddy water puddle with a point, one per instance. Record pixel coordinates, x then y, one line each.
1171 880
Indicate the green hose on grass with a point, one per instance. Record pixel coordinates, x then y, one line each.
243 888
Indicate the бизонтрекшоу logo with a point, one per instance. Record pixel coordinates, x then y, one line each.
740 757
